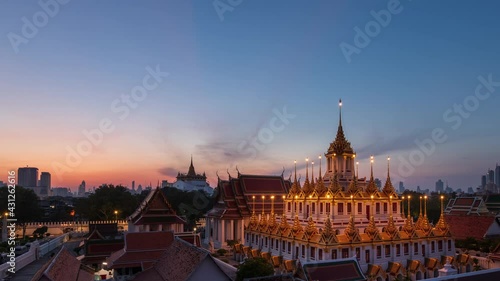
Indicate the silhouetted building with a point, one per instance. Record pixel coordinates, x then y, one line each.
45 180
483 181
378 183
401 187
491 176
27 176
439 186
497 175
81 189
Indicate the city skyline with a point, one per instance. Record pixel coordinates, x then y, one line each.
249 91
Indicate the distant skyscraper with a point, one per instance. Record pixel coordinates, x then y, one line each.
483 181
81 189
470 190
133 186
491 176
45 180
497 176
27 176
439 186
139 189
378 183
401 187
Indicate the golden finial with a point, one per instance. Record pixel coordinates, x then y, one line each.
388 187
371 187
310 228
328 232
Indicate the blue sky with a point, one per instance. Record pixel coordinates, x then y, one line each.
227 78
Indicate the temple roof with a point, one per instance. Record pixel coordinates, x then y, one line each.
64 267
236 196
341 269
155 209
180 260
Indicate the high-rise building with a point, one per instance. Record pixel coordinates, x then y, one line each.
27 176
439 186
81 189
378 183
483 181
491 176
497 176
133 186
45 180
401 187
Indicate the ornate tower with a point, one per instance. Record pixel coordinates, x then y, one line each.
340 156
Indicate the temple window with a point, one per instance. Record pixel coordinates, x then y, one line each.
377 208
433 247
345 253
328 208
406 249
360 208
394 207
415 249
449 245
367 256
289 206
440 245
321 208
314 208
313 253
385 208
348 208
320 254
334 254
387 251
379 252
340 208
398 250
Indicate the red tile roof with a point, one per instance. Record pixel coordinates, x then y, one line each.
463 226
179 261
142 249
346 269
64 267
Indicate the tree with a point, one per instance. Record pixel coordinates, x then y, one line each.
27 208
192 204
107 199
255 267
39 232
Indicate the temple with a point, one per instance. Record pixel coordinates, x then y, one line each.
335 215
192 181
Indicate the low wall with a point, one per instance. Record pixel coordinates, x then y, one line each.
35 252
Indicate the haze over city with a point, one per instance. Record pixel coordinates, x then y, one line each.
217 94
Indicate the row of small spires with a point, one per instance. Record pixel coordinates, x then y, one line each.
351 230
321 189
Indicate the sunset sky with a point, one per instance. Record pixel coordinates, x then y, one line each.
232 74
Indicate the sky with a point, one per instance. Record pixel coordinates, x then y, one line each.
115 91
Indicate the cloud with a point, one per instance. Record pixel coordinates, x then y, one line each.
167 171
380 144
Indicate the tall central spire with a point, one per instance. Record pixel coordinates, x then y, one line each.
340 113
191 171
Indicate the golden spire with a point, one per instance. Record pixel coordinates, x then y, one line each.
313 186
307 186
441 224
420 220
408 227
371 187
320 186
295 186
310 228
353 185
388 188
351 231
283 226
272 222
372 229
253 221
296 228
334 184
391 228
426 226
340 145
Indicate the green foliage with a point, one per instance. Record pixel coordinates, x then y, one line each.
27 206
106 199
256 267
39 232
221 252
193 205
